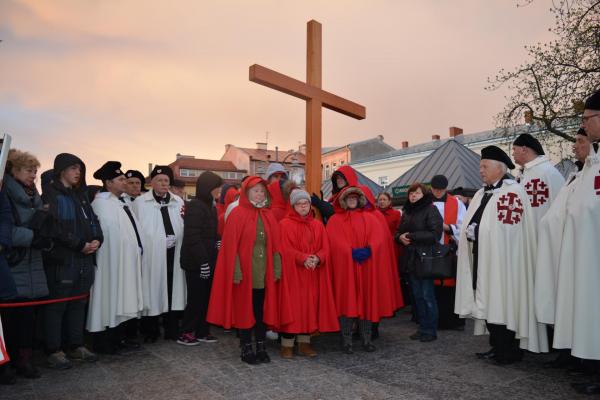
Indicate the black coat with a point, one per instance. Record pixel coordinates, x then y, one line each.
424 224
200 226
8 289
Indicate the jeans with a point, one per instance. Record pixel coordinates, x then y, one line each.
427 310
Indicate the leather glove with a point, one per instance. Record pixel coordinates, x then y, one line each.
361 254
171 241
204 271
471 232
315 200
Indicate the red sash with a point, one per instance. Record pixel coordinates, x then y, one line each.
450 217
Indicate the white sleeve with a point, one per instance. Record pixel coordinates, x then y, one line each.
462 211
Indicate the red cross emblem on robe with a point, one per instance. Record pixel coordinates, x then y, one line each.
538 192
597 184
510 209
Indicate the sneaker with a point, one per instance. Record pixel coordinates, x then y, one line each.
59 361
207 339
427 338
188 339
415 336
82 354
272 335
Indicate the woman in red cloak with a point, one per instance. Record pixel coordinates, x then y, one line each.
364 288
247 285
307 277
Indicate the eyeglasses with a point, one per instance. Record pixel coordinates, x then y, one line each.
587 118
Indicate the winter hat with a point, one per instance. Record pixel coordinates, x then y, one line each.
162 170
275 168
110 170
64 161
496 153
593 102
526 140
206 183
439 182
297 195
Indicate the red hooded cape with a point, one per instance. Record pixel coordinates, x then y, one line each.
350 176
311 296
279 206
368 290
230 197
231 304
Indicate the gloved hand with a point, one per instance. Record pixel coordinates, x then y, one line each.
315 200
471 232
204 271
171 241
361 254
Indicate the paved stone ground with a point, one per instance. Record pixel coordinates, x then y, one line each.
399 369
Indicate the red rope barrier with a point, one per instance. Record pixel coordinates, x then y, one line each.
43 302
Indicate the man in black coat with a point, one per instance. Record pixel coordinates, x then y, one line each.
198 258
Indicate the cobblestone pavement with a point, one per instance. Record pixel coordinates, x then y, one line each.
399 369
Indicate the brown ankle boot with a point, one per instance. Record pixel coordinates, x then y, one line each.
305 349
287 352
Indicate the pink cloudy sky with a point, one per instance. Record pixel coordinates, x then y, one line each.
139 81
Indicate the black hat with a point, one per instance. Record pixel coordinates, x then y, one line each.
439 182
496 153
582 132
178 183
132 173
162 170
593 102
527 140
110 170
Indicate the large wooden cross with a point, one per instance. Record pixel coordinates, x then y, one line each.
315 99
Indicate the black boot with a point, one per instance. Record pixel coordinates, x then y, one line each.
24 365
248 355
7 375
261 353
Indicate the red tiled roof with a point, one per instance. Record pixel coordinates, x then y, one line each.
205 165
271 156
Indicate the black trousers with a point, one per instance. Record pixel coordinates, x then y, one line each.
198 295
445 299
259 329
504 342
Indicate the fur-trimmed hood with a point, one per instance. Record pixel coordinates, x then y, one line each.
348 190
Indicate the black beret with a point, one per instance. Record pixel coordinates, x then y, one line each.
527 140
178 183
593 102
110 170
582 132
162 170
439 182
496 153
132 173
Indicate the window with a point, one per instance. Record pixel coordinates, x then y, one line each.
327 171
383 181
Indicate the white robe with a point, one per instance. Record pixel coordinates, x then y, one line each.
154 262
542 182
116 295
3 353
460 215
506 258
577 326
550 237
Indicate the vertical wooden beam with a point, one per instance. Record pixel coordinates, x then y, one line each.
313 107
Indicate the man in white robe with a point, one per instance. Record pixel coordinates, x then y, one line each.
496 258
116 296
160 213
580 248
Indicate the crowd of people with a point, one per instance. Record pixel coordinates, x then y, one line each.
121 262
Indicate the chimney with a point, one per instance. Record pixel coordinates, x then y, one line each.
454 131
302 148
380 137
276 153
227 147
435 137
261 146
149 168
405 144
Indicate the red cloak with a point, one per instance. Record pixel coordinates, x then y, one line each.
230 196
368 290
231 304
393 218
311 296
279 206
351 178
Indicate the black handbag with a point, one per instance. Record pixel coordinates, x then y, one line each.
435 262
